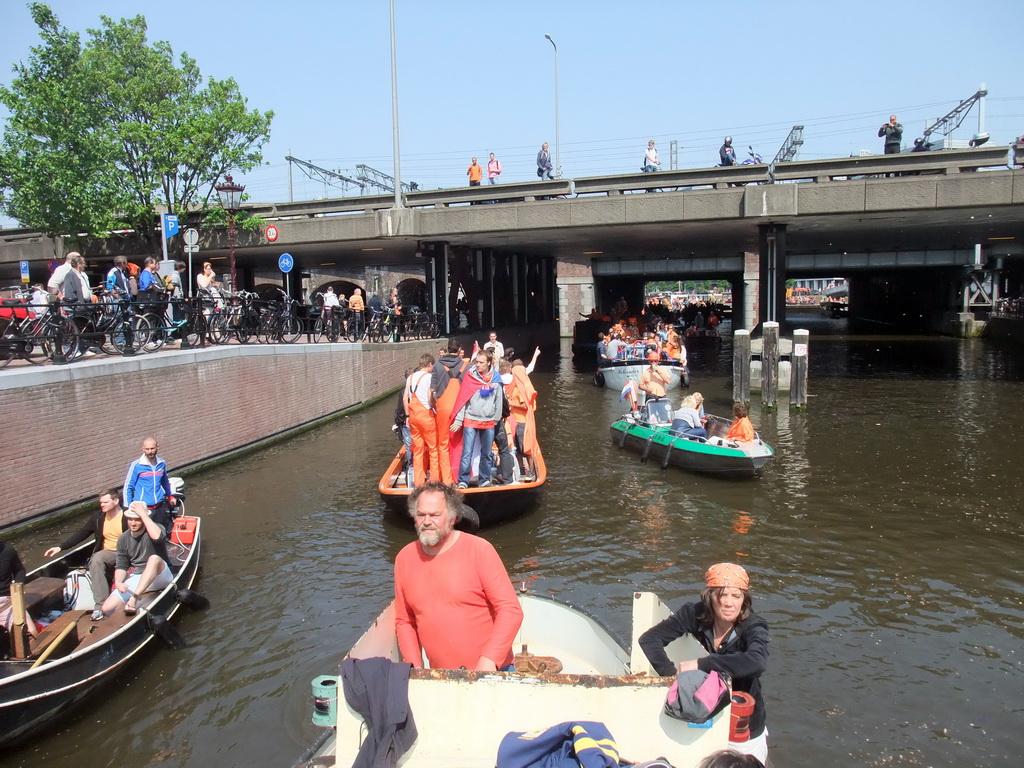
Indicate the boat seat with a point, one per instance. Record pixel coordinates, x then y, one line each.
42 590
49 635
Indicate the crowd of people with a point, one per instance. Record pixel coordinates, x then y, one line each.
454 409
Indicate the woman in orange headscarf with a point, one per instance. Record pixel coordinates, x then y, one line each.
735 638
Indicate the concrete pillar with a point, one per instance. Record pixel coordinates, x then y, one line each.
770 364
745 313
798 376
575 282
741 366
772 272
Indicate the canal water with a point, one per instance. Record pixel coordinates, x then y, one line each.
883 544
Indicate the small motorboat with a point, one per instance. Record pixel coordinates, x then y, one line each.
648 430
568 667
615 373
72 656
487 506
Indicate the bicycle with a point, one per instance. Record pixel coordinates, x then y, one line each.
328 323
279 323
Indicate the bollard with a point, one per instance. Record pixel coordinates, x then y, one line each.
741 366
798 382
770 364
325 700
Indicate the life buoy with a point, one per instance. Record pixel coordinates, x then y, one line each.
168 635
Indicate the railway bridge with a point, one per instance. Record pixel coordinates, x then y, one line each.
923 238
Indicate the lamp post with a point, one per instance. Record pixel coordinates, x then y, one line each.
558 167
231 200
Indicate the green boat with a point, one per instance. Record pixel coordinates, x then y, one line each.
648 430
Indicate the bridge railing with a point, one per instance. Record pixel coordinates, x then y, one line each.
520 191
945 161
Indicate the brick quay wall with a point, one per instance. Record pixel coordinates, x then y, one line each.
69 431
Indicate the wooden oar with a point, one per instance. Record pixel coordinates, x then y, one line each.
53 646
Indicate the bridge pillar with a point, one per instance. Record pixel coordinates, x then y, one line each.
574 279
772 273
745 293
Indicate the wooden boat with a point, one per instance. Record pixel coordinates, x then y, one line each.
615 373
600 680
648 431
492 504
73 656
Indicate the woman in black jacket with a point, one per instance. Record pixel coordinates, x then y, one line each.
735 638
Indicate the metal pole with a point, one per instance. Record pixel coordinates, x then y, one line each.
558 154
394 109
231 248
291 189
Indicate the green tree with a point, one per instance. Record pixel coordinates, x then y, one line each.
163 137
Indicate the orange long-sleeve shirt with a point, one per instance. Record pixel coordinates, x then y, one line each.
457 606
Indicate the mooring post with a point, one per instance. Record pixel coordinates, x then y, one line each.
741 366
798 382
770 364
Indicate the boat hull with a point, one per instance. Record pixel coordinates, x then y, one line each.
616 374
655 444
493 504
600 680
32 700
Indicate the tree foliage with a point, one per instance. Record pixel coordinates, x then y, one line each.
133 127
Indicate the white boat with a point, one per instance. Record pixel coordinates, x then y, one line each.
615 373
461 716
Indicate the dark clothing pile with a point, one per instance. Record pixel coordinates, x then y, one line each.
378 689
11 568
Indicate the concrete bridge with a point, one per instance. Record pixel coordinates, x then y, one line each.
920 234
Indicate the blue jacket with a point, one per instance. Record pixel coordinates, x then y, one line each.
146 483
567 745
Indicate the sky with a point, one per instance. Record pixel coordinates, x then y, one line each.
479 77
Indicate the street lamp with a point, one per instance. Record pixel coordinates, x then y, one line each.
231 200
558 168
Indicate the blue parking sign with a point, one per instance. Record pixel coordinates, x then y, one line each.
24 271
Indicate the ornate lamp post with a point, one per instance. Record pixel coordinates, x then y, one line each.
231 200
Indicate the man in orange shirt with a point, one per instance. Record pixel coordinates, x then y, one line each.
475 173
460 609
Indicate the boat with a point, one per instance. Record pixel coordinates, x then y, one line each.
598 679
486 506
73 656
615 373
835 301
648 430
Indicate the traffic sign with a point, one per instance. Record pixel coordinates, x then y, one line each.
170 224
24 271
272 233
192 248
286 262
191 237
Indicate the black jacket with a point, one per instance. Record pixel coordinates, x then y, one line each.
11 568
743 656
92 527
378 689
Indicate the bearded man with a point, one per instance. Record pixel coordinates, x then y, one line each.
454 601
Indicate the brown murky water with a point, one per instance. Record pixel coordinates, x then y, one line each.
883 543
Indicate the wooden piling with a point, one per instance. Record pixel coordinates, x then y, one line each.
19 631
741 366
798 383
770 364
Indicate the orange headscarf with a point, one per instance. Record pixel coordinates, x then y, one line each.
727 575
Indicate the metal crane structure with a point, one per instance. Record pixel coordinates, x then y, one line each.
948 123
791 146
381 180
334 178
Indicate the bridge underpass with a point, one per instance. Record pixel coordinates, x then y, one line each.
519 253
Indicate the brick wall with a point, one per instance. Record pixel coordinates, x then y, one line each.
70 431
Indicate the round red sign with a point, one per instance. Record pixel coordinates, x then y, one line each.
272 233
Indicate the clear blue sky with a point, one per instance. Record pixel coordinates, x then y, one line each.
478 77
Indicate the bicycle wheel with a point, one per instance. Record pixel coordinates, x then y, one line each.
267 329
291 329
219 329
334 330
157 335
246 329
355 330
69 338
319 329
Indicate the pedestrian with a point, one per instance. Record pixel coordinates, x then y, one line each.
493 170
475 172
544 167
651 162
893 134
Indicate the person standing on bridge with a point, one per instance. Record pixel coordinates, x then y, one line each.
493 170
544 166
475 172
651 162
893 134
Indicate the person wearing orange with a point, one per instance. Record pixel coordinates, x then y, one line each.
741 429
419 408
475 173
654 379
445 384
522 398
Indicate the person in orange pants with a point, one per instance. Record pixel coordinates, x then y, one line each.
445 383
419 407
